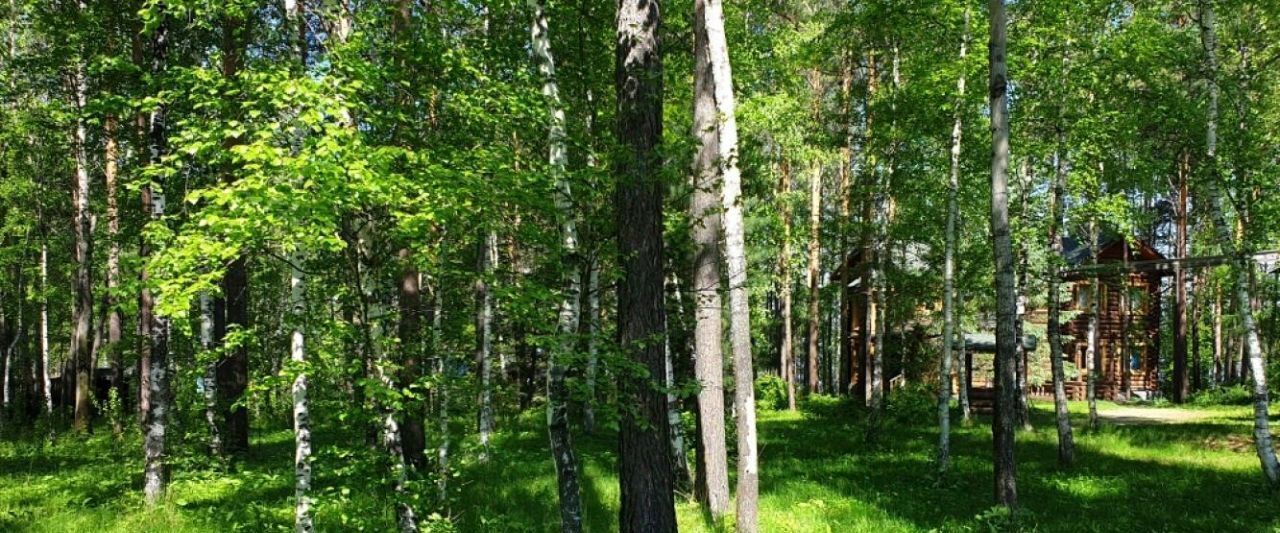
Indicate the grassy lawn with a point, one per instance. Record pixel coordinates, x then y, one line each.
818 474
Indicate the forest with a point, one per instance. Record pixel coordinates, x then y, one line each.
639 266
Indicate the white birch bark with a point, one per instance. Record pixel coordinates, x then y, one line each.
44 327
208 381
484 339
708 331
301 410
1241 265
949 265
1092 354
736 268
557 403
156 327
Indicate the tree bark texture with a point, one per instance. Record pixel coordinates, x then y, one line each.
1006 491
644 457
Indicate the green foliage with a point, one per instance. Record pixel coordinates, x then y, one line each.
1223 395
914 402
771 393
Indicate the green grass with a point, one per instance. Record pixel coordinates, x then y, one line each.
818 474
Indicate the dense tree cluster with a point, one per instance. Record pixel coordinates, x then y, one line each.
419 218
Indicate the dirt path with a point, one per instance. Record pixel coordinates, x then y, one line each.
1151 415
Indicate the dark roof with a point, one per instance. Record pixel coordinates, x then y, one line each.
1076 249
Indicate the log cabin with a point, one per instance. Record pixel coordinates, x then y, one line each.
1128 318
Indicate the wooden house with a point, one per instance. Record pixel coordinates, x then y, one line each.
1128 317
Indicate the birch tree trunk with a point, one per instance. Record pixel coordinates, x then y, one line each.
962 360
484 338
593 325
1006 491
301 410
708 308
208 382
442 398
735 265
644 448
155 328
949 265
373 320
1241 264
1066 442
46 386
557 392
82 333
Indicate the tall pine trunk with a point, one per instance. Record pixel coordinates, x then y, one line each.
1241 264
1002 429
557 391
813 385
787 361
115 318
644 464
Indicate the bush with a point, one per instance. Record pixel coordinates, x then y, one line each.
912 402
771 393
1226 395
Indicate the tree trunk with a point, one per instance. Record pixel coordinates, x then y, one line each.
1023 302
208 381
1181 384
301 410
155 328
557 391
46 386
1002 428
484 338
735 265
442 397
965 370
787 364
410 303
949 266
592 329
1093 354
1241 265
233 369
1066 442
708 308
82 333
115 319
644 455
813 385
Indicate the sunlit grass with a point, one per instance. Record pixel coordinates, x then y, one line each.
819 473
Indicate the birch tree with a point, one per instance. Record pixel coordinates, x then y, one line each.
1241 264
735 263
949 263
708 307
557 392
1002 429
155 327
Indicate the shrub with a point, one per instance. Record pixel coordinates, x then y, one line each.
771 393
915 401
1226 395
